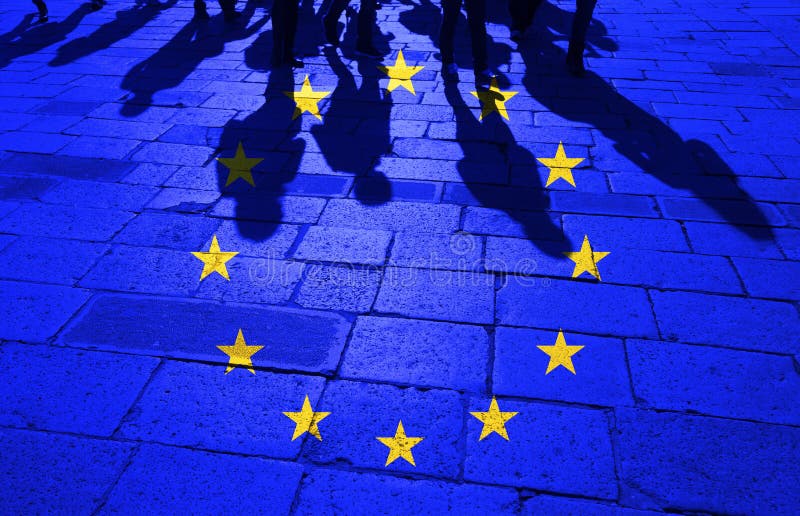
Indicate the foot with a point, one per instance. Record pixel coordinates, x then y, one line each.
43 18
96 5
449 69
575 65
483 76
294 63
368 51
516 35
330 27
232 16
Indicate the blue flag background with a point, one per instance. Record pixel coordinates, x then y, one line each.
229 287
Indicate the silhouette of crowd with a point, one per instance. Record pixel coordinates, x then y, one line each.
286 15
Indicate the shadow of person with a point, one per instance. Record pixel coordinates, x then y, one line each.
20 42
638 136
268 133
425 18
124 24
355 129
490 150
197 41
24 23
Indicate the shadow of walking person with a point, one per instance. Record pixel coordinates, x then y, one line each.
124 24
22 42
355 129
490 150
269 134
197 41
641 138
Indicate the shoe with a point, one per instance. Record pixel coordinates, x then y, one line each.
96 5
370 51
43 18
449 69
516 35
294 63
575 65
483 76
330 28
232 16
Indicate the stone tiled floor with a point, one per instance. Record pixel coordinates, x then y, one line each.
398 260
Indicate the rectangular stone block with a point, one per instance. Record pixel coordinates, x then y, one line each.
618 232
199 405
172 230
361 412
95 194
330 244
735 384
550 448
703 464
575 306
395 216
47 473
66 390
330 491
457 251
49 260
727 321
295 339
32 312
770 278
176 480
339 288
415 352
601 375
437 294
64 222
145 269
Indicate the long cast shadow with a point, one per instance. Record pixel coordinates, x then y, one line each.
355 129
197 41
640 137
268 133
490 151
126 23
22 42
425 19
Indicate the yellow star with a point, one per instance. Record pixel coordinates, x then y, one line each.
214 260
306 420
400 445
586 259
560 354
400 74
306 99
493 420
240 354
493 100
240 166
560 166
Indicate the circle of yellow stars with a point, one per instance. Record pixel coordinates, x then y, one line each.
400 445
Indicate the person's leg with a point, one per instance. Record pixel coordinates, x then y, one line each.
279 28
228 9
367 17
447 34
476 17
519 11
42 8
200 11
577 40
330 21
290 18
